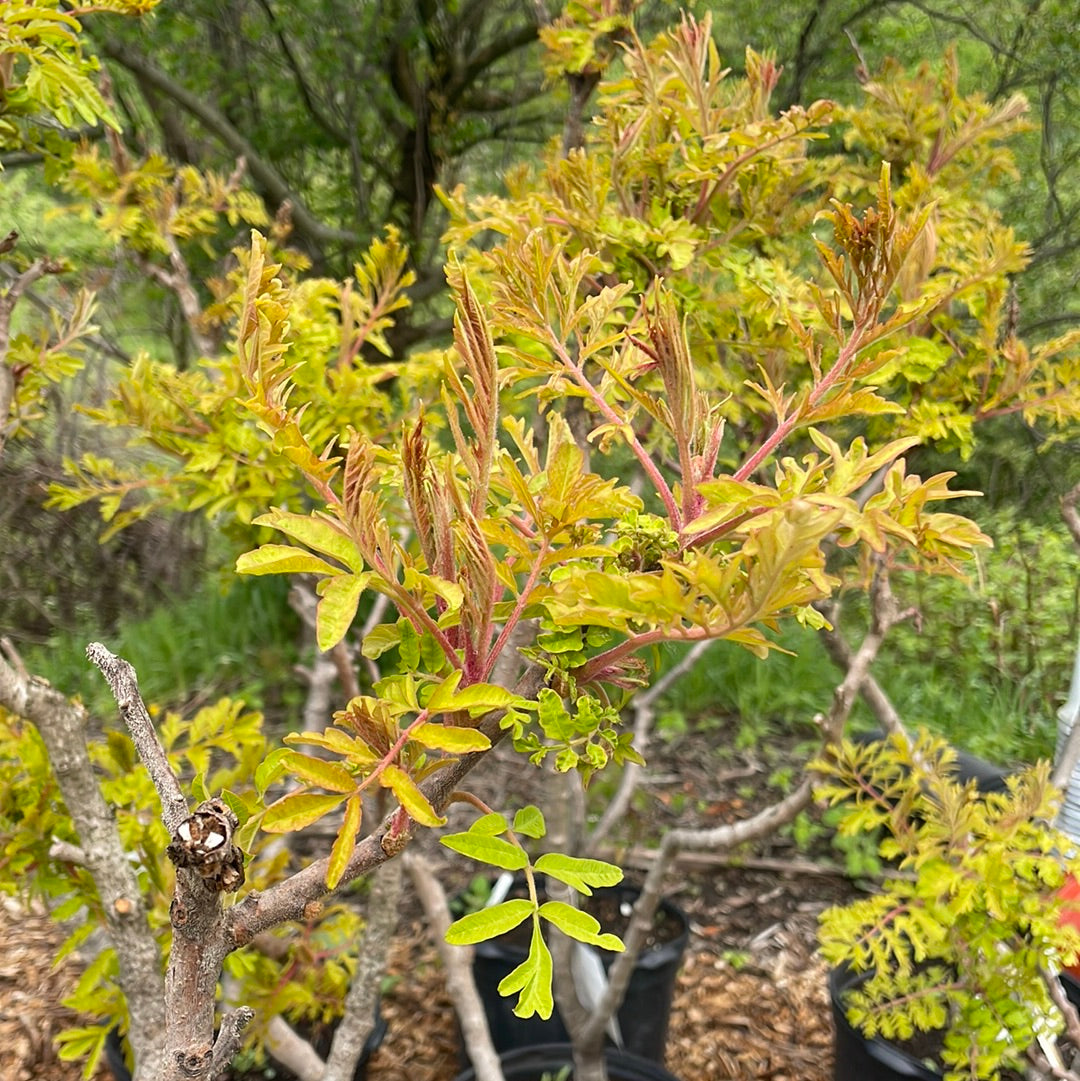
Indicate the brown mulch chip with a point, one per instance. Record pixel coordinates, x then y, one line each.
31 991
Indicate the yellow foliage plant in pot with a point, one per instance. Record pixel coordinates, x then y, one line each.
954 968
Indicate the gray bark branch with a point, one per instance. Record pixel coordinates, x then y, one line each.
62 725
262 172
360 1002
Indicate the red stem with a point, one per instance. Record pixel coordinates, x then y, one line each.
785 427
519 607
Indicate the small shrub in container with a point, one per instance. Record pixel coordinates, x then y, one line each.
957 961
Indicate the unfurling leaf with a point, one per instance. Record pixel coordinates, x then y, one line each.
533 979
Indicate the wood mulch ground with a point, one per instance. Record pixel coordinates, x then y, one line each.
31 992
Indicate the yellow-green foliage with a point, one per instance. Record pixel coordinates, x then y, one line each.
688 175
964 939
680 355
47 76
39 359
217 749
193 437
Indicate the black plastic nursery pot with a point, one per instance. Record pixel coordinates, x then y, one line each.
536 1063
862 1059
643 1017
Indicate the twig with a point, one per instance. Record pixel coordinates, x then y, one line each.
62 725
124 684
836 645
375 617
360 1003
1070 753
66 852
292 1051
230 1036
1070 513
199 942
459 978
645 857
644 714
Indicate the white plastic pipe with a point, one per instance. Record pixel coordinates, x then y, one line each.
1068 715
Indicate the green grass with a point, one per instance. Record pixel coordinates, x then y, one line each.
190 650
957 679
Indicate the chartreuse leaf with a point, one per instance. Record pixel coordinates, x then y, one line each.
243 806
409 796
337 607
487 849
333 739
580 925
477 697
533 979
282 559
75 1043
439 737
378 640
297 810
488 923
490 825
198 788
583 875
328 775
529 822
318 533
344 843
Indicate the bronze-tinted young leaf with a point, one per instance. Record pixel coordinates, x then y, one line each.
333 739
297 810
319 771
344 843
409 796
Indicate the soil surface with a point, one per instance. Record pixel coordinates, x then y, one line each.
751 1001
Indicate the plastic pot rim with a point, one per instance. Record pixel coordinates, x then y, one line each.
622 1065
